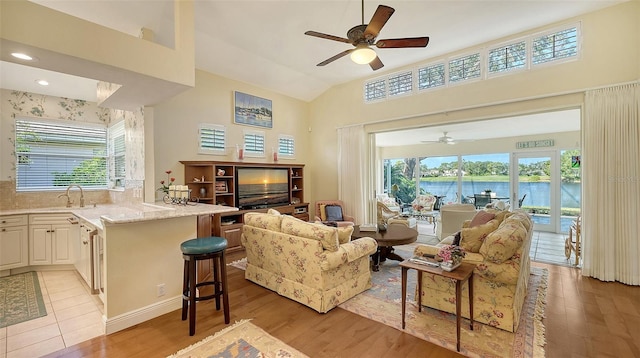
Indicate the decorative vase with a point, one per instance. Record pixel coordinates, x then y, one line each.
203 192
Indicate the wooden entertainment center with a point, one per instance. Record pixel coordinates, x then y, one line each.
215 183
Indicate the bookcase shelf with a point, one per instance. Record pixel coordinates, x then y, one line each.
219 185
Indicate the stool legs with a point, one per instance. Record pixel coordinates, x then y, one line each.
192 297
225 290
190 285
185 287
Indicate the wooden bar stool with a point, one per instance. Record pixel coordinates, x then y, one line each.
205 248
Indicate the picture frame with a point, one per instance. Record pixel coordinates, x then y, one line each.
221 186
252 110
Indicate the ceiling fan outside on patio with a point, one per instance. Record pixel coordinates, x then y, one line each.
362 37
445 139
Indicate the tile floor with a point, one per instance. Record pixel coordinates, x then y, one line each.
73 316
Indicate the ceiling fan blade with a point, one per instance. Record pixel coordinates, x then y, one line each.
376 64
380 17
328 37
406 42
331 59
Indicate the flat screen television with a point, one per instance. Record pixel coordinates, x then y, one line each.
261 187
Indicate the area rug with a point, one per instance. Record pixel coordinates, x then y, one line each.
239 264
20 299
382 304
243 339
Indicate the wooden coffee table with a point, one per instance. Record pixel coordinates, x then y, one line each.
396 234
463 273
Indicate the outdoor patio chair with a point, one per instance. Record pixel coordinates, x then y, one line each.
481 200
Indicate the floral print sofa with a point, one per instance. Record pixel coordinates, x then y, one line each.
316 265
499 246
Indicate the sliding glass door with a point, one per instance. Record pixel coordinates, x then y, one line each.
535 188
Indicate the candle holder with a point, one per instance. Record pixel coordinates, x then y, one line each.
180 197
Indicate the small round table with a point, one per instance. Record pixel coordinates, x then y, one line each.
396 234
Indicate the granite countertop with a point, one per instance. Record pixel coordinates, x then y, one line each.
121 214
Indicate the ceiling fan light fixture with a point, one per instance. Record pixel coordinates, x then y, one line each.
363 54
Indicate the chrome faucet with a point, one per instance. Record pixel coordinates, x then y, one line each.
68 198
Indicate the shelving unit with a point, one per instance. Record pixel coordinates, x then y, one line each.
219 188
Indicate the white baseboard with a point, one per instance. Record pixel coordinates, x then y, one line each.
132 318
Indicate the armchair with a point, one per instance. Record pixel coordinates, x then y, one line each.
423 203
481 200
389 202
333 210
452 216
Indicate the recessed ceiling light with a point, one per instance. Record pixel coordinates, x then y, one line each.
23 56
42 82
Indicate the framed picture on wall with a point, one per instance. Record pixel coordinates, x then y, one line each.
252 111
221 186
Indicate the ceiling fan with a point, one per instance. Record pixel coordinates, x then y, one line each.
362 37
445 139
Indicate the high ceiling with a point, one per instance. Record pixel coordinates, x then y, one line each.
263 42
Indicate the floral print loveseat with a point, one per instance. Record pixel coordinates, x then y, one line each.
316 265
500 249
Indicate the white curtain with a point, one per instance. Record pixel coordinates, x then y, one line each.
611 188
351 171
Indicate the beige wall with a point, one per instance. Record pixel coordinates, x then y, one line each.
176 121
610 39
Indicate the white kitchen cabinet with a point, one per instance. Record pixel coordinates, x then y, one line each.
82 248
51 239
14 241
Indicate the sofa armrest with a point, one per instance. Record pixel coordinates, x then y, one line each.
348 252
425 249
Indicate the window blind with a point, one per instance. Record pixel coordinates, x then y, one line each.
53 154
254 143
555 46
212 138
401 83
431 76
464 68
117 151
286 146
375 90
509 57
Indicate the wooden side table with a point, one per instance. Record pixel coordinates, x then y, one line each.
463 273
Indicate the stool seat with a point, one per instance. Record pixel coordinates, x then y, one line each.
203 245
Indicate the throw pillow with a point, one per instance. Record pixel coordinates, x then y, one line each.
481 217
323 213
273 212
327 235
500 245
471 238
344 234
334 213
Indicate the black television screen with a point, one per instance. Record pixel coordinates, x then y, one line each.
261 187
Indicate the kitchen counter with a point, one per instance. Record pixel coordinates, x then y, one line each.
136 253
122 214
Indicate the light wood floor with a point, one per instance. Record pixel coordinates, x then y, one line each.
584 318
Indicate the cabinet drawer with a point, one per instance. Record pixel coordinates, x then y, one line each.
13 220
61 218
